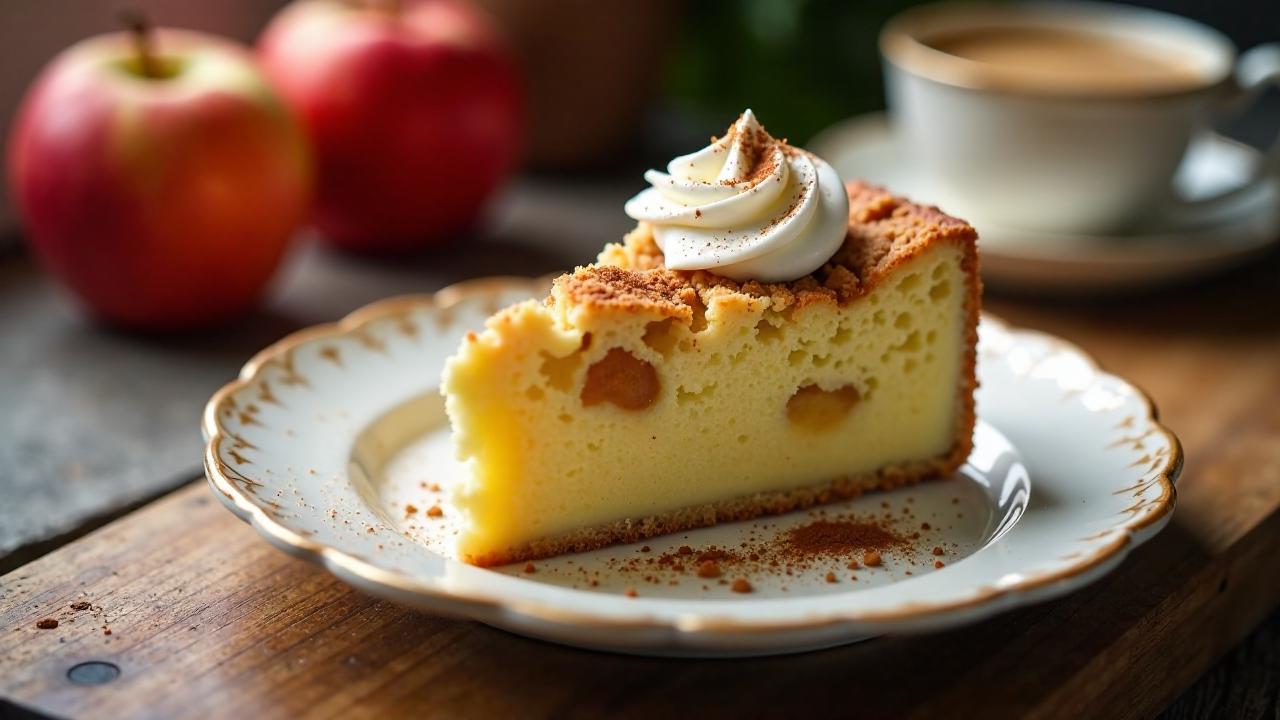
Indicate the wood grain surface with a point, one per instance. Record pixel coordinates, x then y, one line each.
1244 685
206 619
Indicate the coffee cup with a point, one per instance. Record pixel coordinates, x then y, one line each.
1062 117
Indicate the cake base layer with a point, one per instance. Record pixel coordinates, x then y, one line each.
747 507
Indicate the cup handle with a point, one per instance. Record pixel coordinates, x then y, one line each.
1256 70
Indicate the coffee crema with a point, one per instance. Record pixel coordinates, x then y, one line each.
1075 61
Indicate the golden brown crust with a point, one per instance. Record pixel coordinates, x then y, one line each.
660 292
885 231
733 510
966 408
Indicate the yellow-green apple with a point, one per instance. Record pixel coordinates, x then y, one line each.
414 110
159 176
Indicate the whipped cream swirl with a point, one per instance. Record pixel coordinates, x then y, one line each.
747 207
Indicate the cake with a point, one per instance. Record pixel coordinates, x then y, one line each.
638 399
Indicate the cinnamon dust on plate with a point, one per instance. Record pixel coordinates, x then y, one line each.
829 538
825 543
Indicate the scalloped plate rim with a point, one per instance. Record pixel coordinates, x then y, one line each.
431 596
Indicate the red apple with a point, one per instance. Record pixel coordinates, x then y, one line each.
162 185
414 111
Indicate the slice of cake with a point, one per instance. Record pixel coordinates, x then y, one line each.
638 400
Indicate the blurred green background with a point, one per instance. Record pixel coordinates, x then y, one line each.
800 64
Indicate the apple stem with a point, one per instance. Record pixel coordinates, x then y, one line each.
140 28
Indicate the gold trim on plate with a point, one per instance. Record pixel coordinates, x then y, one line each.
233 484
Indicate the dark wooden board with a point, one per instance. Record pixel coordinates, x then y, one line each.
208 620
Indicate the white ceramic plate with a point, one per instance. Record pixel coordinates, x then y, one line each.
1156 252
330 435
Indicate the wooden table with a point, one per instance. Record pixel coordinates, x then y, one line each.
192 615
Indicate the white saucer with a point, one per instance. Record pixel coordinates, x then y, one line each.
865 148
333 443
